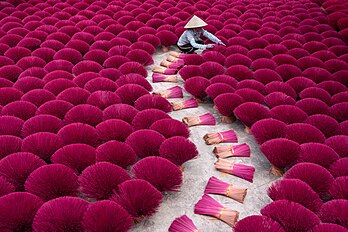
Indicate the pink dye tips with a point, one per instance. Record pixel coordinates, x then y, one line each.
205 119
240 150
164 70
209 206
176 54
172 65
221 137
157 77
183 224
174 92
216 186
190 103
243 171
174 59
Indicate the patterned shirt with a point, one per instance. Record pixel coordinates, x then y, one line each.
190 36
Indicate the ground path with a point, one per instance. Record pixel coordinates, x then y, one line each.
198 171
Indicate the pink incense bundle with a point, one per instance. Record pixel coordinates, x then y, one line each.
177 54
205 119
240 150
216 186
171 58
189 103
164 70
173 92
157 77
173 65
241 170
209 206
290 215
183 224
221 137
258 223
174 59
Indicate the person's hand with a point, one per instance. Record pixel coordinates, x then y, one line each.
220 42
210 45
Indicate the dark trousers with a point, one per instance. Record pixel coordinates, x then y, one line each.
187 48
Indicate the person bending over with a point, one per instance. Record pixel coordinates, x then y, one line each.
191 41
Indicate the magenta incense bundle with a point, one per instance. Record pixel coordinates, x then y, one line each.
190 103
243 171
60 214
52 181
157 77
174 65
177 54
205 119
105 216
216 186
209 206
18 211
173 92
138 197
171 58
174 59
164 70
183 224
258 223
240 150
221 137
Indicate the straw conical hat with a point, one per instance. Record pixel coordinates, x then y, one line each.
195 22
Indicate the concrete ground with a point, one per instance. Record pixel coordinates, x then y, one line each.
198 171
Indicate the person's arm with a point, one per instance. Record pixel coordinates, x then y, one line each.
211 37
194 44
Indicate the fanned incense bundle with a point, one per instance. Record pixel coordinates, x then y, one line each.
18 210
216 186
174 92
164 70
221 137
258 223
138 197
205 119
209 206
189 103
157 77
183 224
243 171
240 150
291 216
106 216
174 65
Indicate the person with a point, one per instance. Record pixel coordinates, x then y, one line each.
191 41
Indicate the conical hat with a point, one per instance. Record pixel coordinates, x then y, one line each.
195 22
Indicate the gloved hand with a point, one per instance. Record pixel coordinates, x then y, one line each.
210 45
220 42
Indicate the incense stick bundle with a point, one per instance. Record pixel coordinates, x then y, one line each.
183 224
157 77
240 150
241 170
174 59
221 137
205 119
164 70
173 92
209 206
216 186
174 65
190 103
176 54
